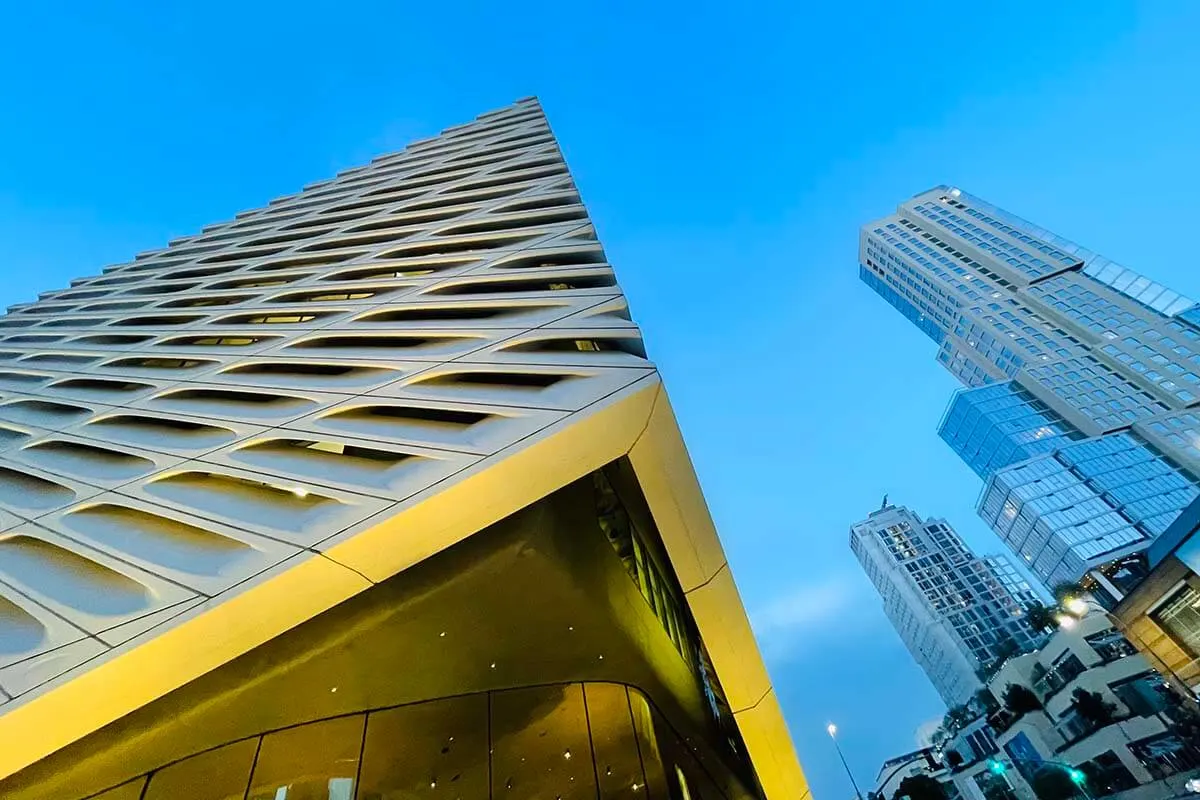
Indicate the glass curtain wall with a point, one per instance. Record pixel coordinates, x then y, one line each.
576 741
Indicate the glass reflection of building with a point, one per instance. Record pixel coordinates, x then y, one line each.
368 494
1080 375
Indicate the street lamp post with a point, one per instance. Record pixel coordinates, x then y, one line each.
831 729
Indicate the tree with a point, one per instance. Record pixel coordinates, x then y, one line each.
1040 618
985 701
1092 707
1053 783
920 787
956 719
1020 699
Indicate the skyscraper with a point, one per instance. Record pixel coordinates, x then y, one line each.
1082 380
372 490
954 611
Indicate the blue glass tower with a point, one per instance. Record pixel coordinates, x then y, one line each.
1082 407
1000 424
1101 499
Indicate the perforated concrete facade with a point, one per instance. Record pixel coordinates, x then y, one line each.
183 422
209 417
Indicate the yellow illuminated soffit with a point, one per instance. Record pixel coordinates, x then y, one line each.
636 422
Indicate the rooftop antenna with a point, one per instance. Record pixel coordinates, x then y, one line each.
883 505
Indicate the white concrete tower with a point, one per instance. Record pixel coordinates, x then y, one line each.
954 611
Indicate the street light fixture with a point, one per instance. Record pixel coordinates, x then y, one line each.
1076 606
831 729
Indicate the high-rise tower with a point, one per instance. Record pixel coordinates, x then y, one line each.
955 612
1083 379
372 491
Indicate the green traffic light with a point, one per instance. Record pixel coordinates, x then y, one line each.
1077 776
997 767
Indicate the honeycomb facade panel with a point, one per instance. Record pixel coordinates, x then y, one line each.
263 424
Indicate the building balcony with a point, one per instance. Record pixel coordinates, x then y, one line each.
1091 742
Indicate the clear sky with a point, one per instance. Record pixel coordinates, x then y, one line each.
728 154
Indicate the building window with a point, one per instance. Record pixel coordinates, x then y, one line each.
1166 754
1142 694
1180 618
1072 727
1110 645
310 761
626 540
1107 775
1062 672
994 787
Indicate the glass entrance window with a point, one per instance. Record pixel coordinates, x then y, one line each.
574 741
311 762
540 744
428 750
220 774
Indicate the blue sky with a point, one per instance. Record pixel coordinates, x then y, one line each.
728 154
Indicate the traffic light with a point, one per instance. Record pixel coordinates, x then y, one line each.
997 766
1077 776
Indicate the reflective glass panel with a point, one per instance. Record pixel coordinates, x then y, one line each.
540 744
311 762
429 750
652 761
221 774
688 776
618 765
